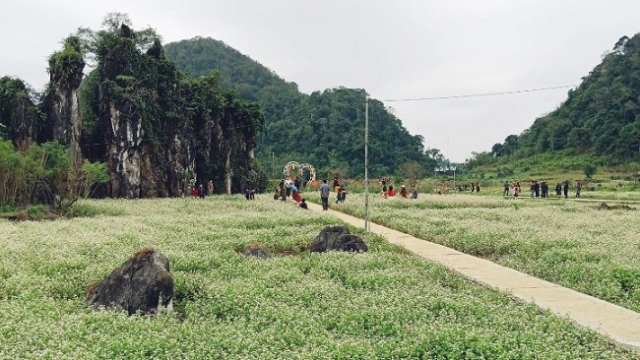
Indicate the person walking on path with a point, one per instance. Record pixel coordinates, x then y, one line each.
201 191
506 188
558 190
565 188
414 193
578 188
324 194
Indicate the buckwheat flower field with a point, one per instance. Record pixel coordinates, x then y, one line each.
384 304
574 244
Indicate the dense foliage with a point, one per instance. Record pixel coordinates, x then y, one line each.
323 128
158 131
599 117
43 174
21 120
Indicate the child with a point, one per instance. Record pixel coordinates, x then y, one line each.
342 194
303 204
403 192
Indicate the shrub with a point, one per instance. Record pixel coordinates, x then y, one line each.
589 169
37 212
43 175
6 208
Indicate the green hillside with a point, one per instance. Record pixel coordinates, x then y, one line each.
600 120
323 128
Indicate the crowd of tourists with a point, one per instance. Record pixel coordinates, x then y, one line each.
292 188
289 188
541 189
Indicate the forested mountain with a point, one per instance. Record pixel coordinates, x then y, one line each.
154 128
325 128
600 117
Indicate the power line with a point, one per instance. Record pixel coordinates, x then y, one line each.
481 94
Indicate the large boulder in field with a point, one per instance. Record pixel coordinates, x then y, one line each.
337 238
142 284
256 250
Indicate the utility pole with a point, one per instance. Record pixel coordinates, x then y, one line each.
366 163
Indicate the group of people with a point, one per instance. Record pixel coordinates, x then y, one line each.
340 190
540 190
474 187
288 188
250 194
325 191
390 192
200 191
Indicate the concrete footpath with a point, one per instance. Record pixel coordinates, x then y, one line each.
620 325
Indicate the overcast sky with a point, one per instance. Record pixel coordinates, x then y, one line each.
394 49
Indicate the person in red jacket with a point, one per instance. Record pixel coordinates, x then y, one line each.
392 191
403 192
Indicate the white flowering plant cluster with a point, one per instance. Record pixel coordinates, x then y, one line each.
574 244
383 304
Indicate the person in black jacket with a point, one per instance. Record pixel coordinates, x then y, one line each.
565 188
545 189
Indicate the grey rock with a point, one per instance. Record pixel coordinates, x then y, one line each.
257 251
142 284
338 238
